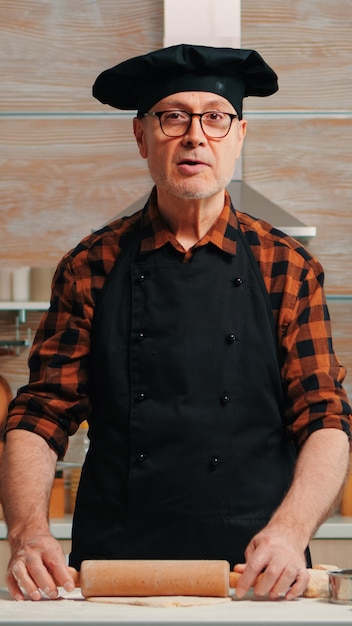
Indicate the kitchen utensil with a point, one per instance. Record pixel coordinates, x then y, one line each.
5 399
153 578
340 586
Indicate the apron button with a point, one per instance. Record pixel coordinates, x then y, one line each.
214 462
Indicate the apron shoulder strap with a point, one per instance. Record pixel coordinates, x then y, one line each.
129 248
256 268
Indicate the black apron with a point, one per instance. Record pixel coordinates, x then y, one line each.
189 456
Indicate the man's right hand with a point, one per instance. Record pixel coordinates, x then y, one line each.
37 562
38 567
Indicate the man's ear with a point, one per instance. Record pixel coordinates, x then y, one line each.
139 133
242 129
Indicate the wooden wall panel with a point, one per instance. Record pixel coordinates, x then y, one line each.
63 175
51 52
309 44
305 166
61 178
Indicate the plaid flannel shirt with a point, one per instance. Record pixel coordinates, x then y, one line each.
56 399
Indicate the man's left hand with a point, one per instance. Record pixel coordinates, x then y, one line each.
281 562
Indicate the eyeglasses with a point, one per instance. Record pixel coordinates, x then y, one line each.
214 124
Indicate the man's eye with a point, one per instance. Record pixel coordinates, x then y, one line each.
214 116
177 116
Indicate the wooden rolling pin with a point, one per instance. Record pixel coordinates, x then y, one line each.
206 578
153 578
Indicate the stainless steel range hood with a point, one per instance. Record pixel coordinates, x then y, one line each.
247 200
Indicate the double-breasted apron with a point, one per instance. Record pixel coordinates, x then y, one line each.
189 455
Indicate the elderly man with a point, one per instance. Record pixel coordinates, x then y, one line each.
196 341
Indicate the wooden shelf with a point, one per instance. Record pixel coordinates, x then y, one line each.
23 306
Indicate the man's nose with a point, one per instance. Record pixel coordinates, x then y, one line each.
195 131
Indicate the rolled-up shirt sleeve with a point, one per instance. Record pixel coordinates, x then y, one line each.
55 400
311 372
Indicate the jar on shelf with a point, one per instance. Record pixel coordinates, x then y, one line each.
5 399
75 455
346 500
57 498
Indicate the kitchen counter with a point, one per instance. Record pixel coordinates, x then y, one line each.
336 527
73 610
60 527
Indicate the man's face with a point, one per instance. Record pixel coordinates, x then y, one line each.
193 165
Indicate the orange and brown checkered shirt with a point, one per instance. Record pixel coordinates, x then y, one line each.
56 398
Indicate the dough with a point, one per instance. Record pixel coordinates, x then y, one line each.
329 568
318 586
160 601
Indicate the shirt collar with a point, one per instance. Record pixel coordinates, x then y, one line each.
155 235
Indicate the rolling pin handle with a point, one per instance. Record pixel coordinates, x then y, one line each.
233 579
76 576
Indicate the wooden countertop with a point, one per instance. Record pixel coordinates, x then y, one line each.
73 610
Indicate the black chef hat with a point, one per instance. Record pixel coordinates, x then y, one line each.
140 82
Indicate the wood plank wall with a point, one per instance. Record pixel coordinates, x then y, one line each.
300 154
68 164
304 164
